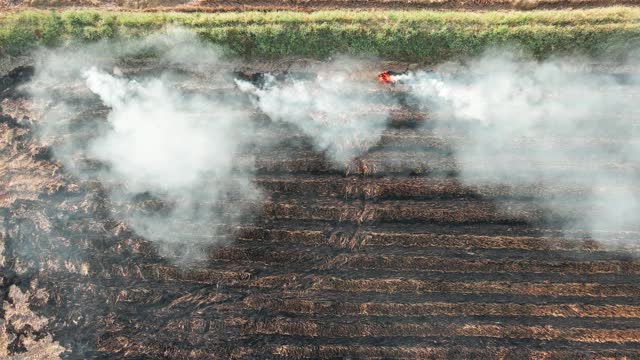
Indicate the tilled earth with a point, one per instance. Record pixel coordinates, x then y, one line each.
388 256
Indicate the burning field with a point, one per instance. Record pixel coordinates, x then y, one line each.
185 206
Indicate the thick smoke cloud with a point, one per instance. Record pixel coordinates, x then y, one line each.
331 110
552 124
161 139
175 163
181 148
174 155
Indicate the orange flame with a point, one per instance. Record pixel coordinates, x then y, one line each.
386 78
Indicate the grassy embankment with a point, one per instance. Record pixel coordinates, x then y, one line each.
398 35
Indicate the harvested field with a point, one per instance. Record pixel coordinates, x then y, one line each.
388 255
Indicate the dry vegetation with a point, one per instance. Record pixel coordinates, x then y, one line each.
306 5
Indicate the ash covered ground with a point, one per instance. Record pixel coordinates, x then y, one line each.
304 249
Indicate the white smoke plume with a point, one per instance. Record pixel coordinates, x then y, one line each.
174 155
336 110
161 139
556 123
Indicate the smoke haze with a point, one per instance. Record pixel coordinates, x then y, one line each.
522 123
550 124
172 154
331 110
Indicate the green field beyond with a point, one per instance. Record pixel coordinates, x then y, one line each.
426 36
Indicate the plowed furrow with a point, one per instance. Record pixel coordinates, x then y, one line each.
314 308
284 326
450 211
430 263
302 282
374 239
404 188
481 287
441 352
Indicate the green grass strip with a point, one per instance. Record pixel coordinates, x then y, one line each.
399 35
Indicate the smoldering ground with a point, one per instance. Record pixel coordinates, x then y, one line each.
554 123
